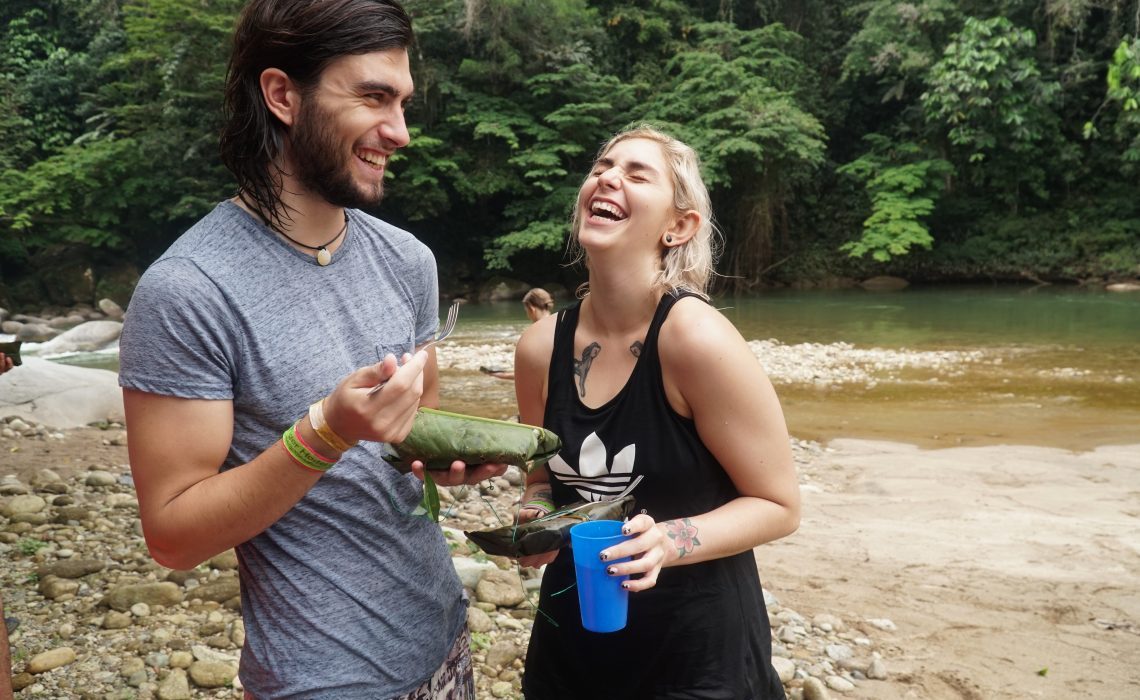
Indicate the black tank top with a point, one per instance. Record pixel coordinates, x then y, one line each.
703 631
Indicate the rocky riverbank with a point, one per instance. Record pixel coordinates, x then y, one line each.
92 616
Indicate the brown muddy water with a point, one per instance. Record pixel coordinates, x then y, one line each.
1056 367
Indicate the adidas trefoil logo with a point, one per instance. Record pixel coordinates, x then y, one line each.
595 481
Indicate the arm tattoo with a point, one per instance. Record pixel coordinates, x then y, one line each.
684 535
636 348
582 367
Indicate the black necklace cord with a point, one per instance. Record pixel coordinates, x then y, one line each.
324 257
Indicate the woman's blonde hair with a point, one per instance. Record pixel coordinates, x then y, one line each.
690 265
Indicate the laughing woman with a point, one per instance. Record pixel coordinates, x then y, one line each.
644 378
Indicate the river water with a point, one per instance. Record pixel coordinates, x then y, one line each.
934 366
1047 366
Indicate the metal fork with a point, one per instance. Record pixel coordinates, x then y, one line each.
444 331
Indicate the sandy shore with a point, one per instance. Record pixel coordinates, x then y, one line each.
1005 571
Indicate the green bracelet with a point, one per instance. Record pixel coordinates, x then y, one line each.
539 503
301 454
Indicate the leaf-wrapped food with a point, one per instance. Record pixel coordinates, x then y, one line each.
12 349
550 532
438 438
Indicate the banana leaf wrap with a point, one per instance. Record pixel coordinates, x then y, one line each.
438 438
550 532
12 350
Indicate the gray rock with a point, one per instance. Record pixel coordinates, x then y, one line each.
55 588
115 620
71 568
204 653
877 670
123 597
53 658
479 621
218 591
111 309
212 674
60 396
45 477
72 513
181 659
1123 287
36 333
10 485
99 477
839 652
470 571
175 686
785 668
64 322
131 666
86 337
501 588
502 654
814 689
26 504
226 561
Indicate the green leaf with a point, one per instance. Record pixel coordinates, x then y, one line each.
429 504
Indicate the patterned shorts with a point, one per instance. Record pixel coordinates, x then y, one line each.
453 680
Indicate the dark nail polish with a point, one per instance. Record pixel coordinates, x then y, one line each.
625 531
603 556
625 585
611 571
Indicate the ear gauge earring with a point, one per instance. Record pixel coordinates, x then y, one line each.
668 239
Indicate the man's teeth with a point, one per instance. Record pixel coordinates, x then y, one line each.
607 210
377 160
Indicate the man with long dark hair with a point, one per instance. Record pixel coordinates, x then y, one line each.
248 353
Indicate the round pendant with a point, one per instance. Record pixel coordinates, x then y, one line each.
324 257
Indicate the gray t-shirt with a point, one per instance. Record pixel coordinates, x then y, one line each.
348 595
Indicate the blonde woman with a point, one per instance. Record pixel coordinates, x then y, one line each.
644 378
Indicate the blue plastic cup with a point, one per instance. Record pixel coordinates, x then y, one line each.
604 603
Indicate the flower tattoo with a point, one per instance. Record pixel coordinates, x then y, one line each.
684 535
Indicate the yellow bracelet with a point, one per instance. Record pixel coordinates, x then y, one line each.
317 418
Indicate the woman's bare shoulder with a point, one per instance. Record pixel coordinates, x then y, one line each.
695 326
537 341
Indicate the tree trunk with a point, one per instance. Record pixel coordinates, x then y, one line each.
749 244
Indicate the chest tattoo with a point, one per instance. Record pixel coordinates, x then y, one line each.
582 366
635 349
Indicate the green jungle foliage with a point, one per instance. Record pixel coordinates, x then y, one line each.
941 139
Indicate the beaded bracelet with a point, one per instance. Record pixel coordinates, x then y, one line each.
301 454
317 418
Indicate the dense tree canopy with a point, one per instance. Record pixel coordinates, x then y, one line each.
934 138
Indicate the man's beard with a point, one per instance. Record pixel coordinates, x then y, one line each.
321 165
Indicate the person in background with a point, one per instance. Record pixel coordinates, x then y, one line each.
538 304
644 378
247 356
